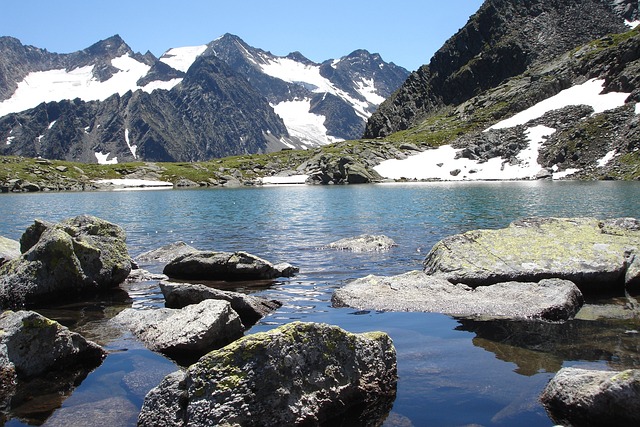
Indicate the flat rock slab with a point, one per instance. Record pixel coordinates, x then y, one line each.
551 299
192 330
249 308
165 253
209 265
595 398
297 374
364 243
595 255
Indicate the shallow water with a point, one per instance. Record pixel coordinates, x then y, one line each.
451 372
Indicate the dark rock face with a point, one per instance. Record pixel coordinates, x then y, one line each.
503 39
249 308
588 397
77 255
214 112
299 373
205 265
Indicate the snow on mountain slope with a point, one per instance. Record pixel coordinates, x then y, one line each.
56 85
181 58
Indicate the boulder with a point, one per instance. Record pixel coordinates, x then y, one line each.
193 330
249 308
165 253
297 374
77 255
364 243
595 398
31 347
593 254
550 299
9 249
207 265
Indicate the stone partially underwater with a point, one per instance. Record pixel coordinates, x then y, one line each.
299 373
75 256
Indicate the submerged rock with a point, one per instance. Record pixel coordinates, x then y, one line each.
364 243
191 331
74 256
595 255
550 299
249 308
595 398
299 373
9 249
207 265
36 349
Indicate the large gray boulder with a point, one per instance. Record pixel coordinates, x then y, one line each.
249 308
595 255
9 249
582 397
208 265
32 346
550 299
299 373
364 243
193 330
78 255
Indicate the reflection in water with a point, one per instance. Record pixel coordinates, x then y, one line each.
543 347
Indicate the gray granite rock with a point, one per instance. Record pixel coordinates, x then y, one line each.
9 249
364 243
299 373
550 299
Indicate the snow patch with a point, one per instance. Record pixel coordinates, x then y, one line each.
134 183
638 108
181 58
607 158
631 24
284 180
132 148
441 163
9 139
302 124
56 85
102 159
366 88
51 124
588 93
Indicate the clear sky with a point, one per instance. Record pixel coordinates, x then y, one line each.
406 32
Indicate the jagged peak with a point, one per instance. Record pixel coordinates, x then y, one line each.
112 46
299 57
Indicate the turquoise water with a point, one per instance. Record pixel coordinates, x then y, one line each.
451 372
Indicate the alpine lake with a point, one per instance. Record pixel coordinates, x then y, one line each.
452 372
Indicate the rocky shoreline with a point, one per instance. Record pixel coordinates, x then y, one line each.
534 271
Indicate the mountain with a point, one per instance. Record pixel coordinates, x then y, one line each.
319 103
525 90
109 104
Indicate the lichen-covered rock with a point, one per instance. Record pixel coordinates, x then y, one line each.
74 256
593 398
299 373
9 249
250 308
208 265
193 330
364 243
593 254
550 299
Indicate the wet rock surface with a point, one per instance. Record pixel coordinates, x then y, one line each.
299 373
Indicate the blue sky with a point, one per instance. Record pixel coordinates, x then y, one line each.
406 32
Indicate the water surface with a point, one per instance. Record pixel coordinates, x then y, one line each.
451 372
